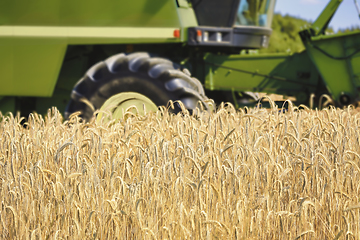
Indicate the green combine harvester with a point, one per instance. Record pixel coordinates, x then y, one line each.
88 55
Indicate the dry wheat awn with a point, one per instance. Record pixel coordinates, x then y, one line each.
238 174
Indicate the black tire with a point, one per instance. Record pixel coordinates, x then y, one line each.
156 78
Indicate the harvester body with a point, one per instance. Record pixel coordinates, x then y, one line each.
35 35
47 46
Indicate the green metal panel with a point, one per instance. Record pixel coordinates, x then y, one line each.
187 19
30 66
110 13
337 58
91 35
273 73
34 35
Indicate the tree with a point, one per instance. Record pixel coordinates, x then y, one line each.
285 35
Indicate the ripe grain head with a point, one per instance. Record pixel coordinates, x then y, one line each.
230 174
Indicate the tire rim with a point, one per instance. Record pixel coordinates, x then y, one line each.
116 106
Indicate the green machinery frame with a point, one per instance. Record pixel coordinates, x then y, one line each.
329 64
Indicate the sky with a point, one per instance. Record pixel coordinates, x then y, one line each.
345 17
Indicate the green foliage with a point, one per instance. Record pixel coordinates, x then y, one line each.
285 35
351 29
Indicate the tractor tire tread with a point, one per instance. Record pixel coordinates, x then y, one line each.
161 72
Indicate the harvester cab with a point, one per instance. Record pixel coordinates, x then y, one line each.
236 24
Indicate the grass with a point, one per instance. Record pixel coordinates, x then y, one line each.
254 174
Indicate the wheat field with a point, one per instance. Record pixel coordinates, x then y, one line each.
233 174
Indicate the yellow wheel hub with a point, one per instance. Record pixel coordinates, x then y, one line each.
124 102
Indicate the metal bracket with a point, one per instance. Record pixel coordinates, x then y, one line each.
322 22
357 7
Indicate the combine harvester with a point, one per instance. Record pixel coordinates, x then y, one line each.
141 53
